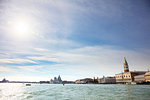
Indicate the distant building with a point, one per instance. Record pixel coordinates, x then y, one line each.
128 76
139 78
84 81
107 80
78 81
56 80
98 80
4 81
95 80
59 79
51 81
147 76
68 82
44 82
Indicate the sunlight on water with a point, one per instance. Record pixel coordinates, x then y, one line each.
10 91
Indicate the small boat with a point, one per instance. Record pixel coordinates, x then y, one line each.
28 84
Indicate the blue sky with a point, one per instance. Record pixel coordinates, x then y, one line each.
40 39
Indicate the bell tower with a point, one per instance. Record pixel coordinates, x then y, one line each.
126 67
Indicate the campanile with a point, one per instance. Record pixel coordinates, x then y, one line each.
126 67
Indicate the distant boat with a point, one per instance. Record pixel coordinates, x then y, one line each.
28 84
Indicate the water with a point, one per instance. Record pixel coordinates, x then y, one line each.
10 91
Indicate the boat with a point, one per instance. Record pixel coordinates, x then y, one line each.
28 84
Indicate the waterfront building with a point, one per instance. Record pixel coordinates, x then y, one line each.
84 81
51 81
44 82
95 80
68 82
4 81
98 80
128 76
139 78
107 80
147 76
56 80
59 79
78 81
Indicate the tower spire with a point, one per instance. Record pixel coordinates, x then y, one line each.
126 67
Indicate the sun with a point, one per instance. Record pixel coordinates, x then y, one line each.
21 28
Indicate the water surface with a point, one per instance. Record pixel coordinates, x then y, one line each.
10 91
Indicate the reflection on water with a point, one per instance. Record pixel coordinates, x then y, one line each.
9 91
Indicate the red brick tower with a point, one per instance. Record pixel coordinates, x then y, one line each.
126 67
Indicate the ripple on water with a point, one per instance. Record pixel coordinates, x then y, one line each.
29 97
75 92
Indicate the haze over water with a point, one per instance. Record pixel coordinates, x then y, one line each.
74 92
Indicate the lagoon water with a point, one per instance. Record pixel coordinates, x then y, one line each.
10 91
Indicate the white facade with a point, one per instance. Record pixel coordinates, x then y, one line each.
107 80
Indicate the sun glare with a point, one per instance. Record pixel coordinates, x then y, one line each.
21 28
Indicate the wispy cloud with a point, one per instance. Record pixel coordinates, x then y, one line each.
74 38
30 68
6 69
88 61
41 49
16 61
96 58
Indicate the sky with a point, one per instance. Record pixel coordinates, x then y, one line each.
41 39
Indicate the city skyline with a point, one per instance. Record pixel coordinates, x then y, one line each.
40 39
